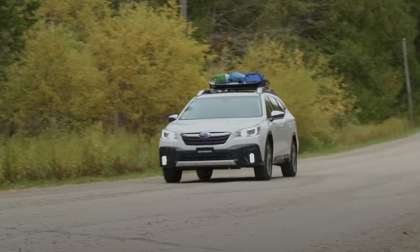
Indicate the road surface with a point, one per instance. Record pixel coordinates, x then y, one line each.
363 200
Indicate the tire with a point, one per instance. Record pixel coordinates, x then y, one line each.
172 175
265 171
204 174
289 168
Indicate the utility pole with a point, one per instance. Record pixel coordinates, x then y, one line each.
184 8
408 81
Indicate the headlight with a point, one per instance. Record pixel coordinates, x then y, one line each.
250 132
166 134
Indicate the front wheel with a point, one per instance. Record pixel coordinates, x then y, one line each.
289 168
172 175
264 172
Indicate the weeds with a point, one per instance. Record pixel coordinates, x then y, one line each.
62 155
57 155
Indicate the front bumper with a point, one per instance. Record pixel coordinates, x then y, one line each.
233 157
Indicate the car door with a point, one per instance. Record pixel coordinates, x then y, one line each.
274 127
278 124
287 130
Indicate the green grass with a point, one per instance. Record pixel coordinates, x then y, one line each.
334 149
61 158
77 181
389 130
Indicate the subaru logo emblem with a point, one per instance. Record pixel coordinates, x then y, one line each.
204 135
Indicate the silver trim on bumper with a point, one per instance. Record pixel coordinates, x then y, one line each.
206 163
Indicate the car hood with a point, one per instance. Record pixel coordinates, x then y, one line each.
212 125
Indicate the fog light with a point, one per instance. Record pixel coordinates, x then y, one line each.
164 160
252 158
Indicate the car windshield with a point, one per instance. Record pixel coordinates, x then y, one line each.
223 107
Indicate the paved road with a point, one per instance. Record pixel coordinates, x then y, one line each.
364 200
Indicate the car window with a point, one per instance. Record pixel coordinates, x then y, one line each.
223 107
282 104
279 103
276 105
268 106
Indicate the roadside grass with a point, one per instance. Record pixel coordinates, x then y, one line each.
59 158
77 181
358 136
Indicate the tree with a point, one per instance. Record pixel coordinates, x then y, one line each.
362 38
15 18
151 65
82 64
318 102
79 16
365 46
55 83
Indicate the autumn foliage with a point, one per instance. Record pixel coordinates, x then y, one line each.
90 90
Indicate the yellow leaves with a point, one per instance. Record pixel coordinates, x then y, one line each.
82 64
316 100
56 78
152 66
133 68
78 15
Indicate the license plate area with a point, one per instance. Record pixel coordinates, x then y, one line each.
205 150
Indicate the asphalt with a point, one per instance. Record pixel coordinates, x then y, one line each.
363 200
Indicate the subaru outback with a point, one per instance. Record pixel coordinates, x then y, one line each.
231 126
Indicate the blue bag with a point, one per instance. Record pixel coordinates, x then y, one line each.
236 77
254 78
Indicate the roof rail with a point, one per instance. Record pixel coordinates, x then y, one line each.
259 90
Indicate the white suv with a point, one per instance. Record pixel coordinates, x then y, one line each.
228 129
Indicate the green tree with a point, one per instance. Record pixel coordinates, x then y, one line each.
15 18
415 9
362 38
365 46
116 4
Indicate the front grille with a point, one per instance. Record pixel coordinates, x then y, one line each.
212 138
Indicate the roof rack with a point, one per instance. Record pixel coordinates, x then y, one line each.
238 82
259 90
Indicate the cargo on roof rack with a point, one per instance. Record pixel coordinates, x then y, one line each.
238 81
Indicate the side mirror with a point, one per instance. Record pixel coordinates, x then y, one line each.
173 117
277 115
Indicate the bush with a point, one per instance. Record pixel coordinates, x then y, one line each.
55 82
319 102
81 65
358 134
151 64
62 155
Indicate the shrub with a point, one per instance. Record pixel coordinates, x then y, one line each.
151 64
62 155
317 101
354 134
55 82
81 65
